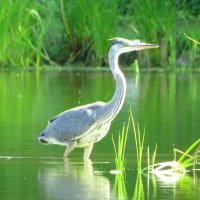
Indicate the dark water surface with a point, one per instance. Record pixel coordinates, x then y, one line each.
166 104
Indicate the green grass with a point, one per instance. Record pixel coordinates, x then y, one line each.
89 26
120 161
188 161
120 186
120 149
22 33
139 188
62 32
193 40
167 171
154 25
189 158
139 142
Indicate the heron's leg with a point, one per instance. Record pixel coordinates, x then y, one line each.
87 151
88 168
70 146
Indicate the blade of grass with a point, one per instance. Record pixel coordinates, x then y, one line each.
195 41
189 150
121 147
139 142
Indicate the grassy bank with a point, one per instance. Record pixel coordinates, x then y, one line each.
65 32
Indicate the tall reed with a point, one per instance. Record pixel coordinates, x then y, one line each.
153 24
120 148
39 32
10 32
89 25
139 142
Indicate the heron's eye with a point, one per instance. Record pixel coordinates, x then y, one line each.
125 44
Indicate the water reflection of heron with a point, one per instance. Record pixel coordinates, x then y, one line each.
85 125
73 181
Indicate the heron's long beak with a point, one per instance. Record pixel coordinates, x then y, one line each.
141 46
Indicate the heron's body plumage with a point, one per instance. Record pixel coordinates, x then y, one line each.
77 123
85 125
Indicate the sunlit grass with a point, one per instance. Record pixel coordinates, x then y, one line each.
120 161
193 40
120 186
39 32
88 28
189 158
120 149
139 142
188 161
167 171
120 158
153 24
22 33
139 188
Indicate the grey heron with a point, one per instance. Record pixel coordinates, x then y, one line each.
85 125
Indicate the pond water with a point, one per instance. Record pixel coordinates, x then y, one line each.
165 104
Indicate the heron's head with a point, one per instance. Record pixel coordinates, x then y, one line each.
122 45
47 138
42 138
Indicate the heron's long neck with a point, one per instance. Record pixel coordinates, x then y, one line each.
115 104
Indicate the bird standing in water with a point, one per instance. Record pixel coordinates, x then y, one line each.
85 125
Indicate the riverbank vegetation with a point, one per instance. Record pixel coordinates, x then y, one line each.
46 32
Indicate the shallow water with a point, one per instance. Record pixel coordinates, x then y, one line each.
166 104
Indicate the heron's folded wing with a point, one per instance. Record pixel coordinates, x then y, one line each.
74 123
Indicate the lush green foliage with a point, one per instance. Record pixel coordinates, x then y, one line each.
60 32
22 33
